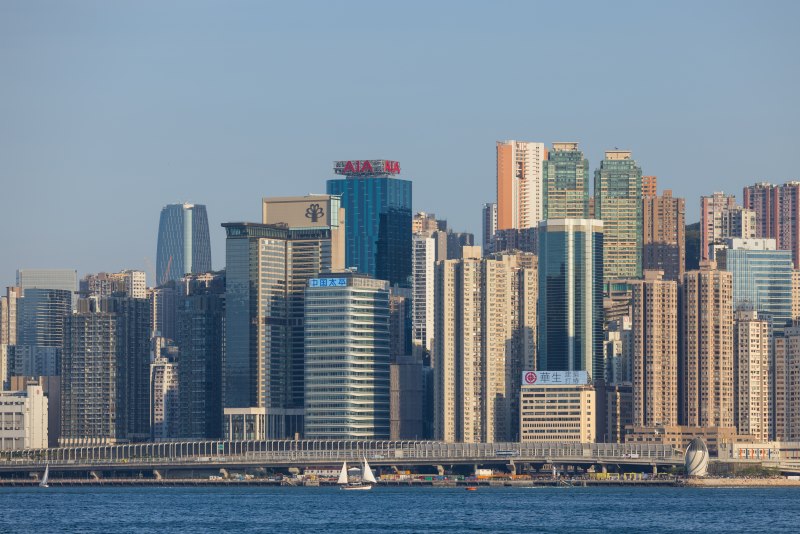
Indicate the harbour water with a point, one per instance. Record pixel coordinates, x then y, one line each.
390 509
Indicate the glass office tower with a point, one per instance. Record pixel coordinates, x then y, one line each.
377 218
347 357
566 183
571 296
184 244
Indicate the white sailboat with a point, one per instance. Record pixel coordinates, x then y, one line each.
43 482
367 479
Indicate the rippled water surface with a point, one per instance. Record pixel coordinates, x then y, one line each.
399 510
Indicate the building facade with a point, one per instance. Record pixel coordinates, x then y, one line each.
618 203
664 235
488 224
655 350
711 227
753 375
63 279
378 224
347 371
23 419
706 377
520 195
184 242
484 336
571 296
777 210
562 413
131 283
566 179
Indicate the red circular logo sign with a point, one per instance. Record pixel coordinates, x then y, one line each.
530 377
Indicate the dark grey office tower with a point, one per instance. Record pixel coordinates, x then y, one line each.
184 243
200 319
40 332
456 241
105 371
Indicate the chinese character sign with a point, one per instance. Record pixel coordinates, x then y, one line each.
327 282
547 378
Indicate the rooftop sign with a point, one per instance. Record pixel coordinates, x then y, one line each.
327 282
358 167
554 378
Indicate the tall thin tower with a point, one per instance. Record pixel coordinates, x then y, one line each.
184 243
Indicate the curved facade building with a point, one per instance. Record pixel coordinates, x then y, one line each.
184 243
696 458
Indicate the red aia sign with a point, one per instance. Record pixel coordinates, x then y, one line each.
367 166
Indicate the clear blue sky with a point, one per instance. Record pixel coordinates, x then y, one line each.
109 110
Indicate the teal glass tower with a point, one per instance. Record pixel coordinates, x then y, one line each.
571 296
618 203
377 208
184 243
566 183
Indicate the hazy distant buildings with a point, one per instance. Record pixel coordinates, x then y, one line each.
378 224
777 210
63 279
40 316
664 234
130 282
566 183
520 194
105 372
618 203
347 360
488 224
715 221
184 243
571 296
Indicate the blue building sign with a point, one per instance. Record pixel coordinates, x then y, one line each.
327 282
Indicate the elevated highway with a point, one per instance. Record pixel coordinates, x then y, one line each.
183 455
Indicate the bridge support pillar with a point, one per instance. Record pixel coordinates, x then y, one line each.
440 470
157 474
512 468
655 470
95 475
224 473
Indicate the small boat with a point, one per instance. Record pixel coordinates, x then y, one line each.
43 482
367 479
472 488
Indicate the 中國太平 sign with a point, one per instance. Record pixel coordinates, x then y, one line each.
327 282
552 378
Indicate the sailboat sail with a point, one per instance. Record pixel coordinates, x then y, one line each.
343 474
43 483
367 476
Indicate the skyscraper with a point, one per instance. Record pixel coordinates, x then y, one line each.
422 310
489 224
485 333
184 243
520 192
378 222
347 357
655 350
618 203
752 375
40 332
566 179
711 227
777 210
64 279
268 266
664 238
706 380
105 372
649 186
130 282
762 278
571 296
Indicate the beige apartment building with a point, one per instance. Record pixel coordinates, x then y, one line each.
23 419
664 239
753 379
655 350
786 406
707 307
485 332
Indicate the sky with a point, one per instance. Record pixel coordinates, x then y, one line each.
111 110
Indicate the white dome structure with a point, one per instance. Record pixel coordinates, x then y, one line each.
696 458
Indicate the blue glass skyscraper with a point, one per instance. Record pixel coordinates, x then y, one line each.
571 296
184 244
377 218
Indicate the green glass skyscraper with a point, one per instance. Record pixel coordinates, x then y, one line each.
566 181
618 203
